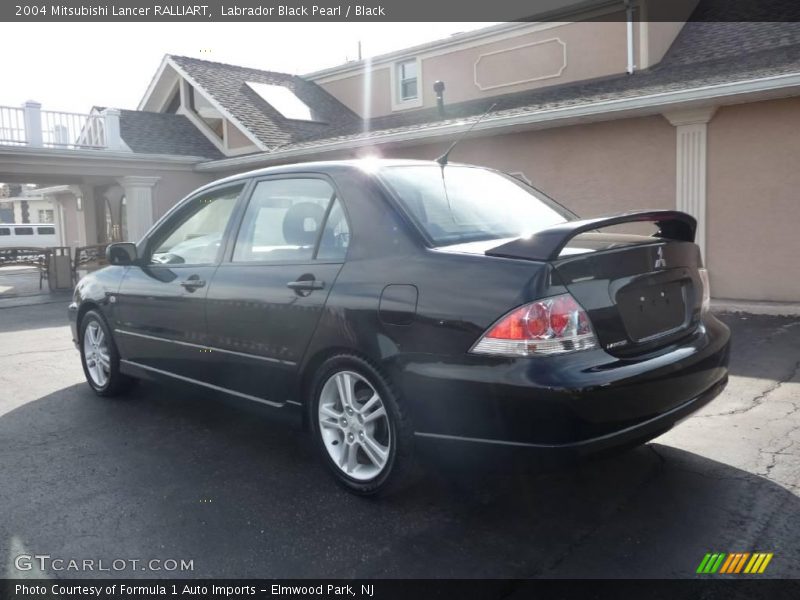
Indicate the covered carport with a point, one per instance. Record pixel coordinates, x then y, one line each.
100 196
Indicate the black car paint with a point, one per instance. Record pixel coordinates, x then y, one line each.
415 312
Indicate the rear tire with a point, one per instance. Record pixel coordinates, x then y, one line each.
100 357
361 431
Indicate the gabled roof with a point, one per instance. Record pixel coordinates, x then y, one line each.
227 85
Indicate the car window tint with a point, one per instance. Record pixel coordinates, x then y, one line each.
283 220
46 230
336 236
197 236
23 231
5 231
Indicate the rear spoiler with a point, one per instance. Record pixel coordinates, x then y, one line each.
547 244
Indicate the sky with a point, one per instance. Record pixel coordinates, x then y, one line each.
74 66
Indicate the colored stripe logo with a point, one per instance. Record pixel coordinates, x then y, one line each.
733 563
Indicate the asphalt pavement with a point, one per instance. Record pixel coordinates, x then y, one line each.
181 475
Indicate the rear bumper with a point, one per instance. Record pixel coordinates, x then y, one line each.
635 434
577 404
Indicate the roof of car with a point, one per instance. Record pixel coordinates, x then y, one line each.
322 166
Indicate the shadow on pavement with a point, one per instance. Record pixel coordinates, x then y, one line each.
28 314
170 474
763 347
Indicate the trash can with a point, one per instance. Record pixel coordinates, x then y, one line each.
59 268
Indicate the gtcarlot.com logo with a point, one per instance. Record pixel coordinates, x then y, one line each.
734 563
45 562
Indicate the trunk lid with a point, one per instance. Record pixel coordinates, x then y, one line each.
638 296
640 292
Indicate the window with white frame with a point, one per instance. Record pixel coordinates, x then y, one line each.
46 215
407 80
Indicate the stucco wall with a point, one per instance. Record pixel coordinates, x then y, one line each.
172 187
753 231
553 55
350 91
753 183
592 169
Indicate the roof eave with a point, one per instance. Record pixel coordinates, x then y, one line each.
726 93
153 82
22 152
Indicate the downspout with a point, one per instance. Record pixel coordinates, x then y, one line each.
629 15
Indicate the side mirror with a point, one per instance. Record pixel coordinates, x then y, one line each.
121 253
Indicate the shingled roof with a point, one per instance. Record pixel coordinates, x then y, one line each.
164 133
227 84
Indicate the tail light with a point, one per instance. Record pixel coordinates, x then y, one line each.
706 290
554 325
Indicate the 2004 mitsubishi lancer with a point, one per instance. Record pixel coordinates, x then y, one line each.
402 303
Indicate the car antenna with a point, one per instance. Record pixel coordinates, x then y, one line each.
442 160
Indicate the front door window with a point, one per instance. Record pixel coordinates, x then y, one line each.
196 237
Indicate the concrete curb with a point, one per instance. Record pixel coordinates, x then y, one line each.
776 309
54 298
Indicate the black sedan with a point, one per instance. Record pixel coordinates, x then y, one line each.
399 304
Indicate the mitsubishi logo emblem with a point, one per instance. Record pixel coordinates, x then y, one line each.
661 262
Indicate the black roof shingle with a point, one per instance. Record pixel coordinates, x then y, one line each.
164 133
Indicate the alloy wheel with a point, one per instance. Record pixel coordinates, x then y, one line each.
354 425
96 354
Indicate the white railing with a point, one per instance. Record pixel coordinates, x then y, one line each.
33 127
12 126
72 130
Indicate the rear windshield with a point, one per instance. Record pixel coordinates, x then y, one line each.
458 204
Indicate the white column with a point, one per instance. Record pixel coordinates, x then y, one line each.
113 137
138 204
690 186
33 123
113 196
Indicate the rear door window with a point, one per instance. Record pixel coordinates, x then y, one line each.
284 222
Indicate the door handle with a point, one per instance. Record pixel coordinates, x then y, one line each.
192 284
306 285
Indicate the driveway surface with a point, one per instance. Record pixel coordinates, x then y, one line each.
169 474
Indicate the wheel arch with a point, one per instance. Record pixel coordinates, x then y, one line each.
85 307
305 376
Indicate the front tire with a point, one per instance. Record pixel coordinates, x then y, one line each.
100 357
361 431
